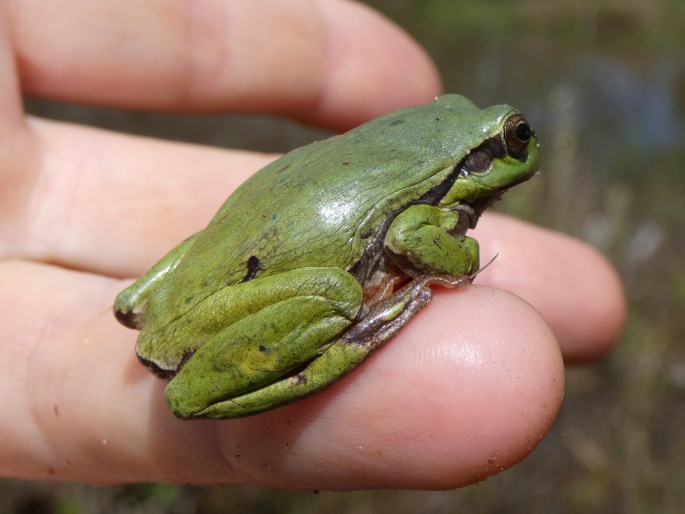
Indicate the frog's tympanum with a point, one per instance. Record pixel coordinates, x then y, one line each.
323 256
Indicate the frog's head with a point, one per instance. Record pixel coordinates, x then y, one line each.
507 156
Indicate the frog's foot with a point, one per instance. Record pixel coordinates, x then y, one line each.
385 319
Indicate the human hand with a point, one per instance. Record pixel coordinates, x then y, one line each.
467 388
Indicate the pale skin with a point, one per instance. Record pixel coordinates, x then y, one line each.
467 389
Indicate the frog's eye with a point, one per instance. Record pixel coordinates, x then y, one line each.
517 134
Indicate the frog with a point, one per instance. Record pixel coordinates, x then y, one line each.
322 256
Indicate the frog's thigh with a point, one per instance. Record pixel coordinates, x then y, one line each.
301 313
420 238
332 364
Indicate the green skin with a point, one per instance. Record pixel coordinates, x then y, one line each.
296 279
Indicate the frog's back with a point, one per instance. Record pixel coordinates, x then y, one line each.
321 204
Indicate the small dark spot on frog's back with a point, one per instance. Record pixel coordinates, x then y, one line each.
253 266
264 349
283 168
399 121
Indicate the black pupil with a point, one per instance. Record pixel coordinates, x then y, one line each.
523 131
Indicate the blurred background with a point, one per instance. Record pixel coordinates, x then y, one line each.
603 84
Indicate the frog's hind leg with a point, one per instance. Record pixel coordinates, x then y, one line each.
381 323
254 334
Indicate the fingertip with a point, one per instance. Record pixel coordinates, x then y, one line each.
509 374
574 287
600 313
378 70
466 390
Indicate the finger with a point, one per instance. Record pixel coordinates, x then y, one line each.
61 337
10 96
575 288
107 203
466 390
17 148
325 61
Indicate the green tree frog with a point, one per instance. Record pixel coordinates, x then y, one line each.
323 256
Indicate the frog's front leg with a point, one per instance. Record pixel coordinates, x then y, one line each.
425 239
255 334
